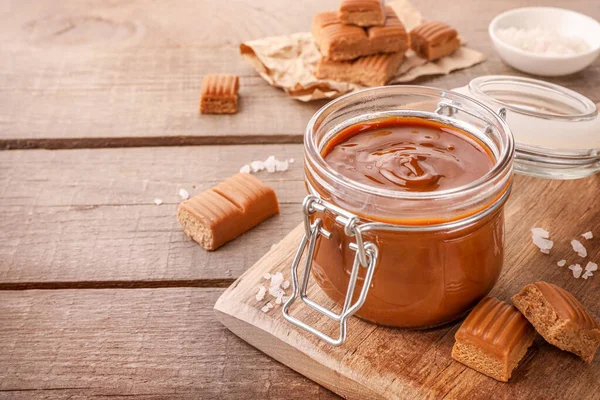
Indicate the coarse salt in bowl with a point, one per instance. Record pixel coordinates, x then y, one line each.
558 41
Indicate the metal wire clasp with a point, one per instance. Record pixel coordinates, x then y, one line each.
366 257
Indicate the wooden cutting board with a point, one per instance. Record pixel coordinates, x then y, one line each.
377 362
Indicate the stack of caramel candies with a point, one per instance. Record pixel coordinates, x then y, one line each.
365 42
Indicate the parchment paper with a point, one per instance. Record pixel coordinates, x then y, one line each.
288 61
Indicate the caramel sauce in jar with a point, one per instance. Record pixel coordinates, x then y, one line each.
422 278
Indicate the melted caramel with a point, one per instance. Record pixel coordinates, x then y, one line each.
408 154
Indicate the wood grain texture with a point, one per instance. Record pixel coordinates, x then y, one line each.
378 362
159 343
128 73
87 218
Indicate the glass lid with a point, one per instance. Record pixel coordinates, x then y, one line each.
556 130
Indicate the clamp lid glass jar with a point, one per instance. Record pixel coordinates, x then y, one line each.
408 258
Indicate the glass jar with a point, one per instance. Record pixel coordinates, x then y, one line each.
556 130
404 259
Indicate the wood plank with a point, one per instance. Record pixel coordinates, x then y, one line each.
81 74
379 362
150 343
86 218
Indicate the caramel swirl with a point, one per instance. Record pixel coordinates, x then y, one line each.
406 154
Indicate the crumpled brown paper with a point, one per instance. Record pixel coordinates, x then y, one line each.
287 62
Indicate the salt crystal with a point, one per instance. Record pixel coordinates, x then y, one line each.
279 298
586 274
267 307
245 169
281 166
184 194
576 268
273 246
591 266
270 164
276 291
588 235
277 280
157 201
543 244
561 263
261 293
579 248
291 161
267 276
540 232
257 166
285 284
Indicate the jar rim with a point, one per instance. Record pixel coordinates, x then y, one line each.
587 109
502 162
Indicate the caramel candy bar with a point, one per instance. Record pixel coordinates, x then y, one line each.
341 42
560 318
493 339
219 215
219 94
433 40
362 12
375 70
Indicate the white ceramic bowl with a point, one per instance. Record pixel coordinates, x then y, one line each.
565 22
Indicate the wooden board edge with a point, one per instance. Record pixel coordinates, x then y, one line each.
290 356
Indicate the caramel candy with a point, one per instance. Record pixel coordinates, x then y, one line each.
433 40
493 339
560 318
341 42
375 70
362 12
219 94
219 215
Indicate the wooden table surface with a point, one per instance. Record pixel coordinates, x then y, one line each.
101 294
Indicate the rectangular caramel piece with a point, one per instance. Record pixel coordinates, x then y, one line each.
433 40
375 70
362 12
339 42
219 94
493 339
560 318
219 215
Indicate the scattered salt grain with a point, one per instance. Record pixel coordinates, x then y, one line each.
157 201
540 239
576 268
579 248
591 266
586 274
561 263
271 164
588 235
279 298
542 41
277 280
184 194
261 293
540 232
285 284
291 161
267 276
257 166
273 246
267 307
